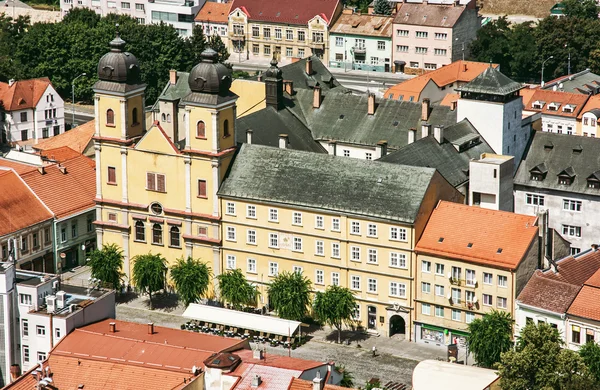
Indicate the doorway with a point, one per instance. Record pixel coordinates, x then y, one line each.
371 317
397 325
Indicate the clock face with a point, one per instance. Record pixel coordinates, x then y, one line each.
200 81
107 70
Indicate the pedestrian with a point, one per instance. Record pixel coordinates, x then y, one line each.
374 351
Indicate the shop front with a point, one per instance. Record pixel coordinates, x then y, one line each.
440 336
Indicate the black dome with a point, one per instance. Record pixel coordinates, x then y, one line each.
209 76
273 70
118 65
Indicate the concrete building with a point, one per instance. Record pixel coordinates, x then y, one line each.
31 110
559 111
363 42
214 17
428 36
584 82
491 182
178 13
134 9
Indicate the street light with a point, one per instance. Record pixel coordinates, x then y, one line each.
544 63
73 98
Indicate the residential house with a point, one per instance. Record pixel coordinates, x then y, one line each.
363 42
286 29
589 115
584 82
491 182
462 274
559 110
555 175
78 139
214 17
178 13
135 9
437 84
428 36
583 315
30 110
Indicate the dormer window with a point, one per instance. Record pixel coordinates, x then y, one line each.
593 181
553 106
538 173
568 108
538 105
566 176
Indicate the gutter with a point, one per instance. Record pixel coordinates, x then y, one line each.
533 308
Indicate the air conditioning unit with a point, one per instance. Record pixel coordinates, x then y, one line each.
60 299
50 303
72 308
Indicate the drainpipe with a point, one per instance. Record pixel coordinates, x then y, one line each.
54 244
51 332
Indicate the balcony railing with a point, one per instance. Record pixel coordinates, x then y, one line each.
360 49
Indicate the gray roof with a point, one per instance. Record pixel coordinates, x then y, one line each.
492 82
324 182
202 98
584 82
112 86
432 15
178 90
296 72
560 153
451 158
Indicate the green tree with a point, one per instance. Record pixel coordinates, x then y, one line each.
197 43
149 273
191 278
489 337
590 353
335 307
347 378
382 7
539 363
235 289
492 44
82 15
583 9
107 265
216 43
289 295
594 61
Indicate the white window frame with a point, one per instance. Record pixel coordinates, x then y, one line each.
569 203
298 269
372 230
355 228
400 289
355 279
251 266
251 211
320 277
297 218
443 267
273 215
298 244
470 281
230 208
441 310
483 298
251 237
335 222
426 287
355 253
273 268
426 309
319 248
40 330
335 248
335 278
319 222
439 290
274 237
426 266
469 317
501 299
231 233
400 258
371 282
231 262
488 278
504 279
398 234
454 312
372 257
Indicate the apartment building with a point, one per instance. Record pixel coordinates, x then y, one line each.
470 261
178 13
559 110
134 9
31 110
428 36
285 29
214 17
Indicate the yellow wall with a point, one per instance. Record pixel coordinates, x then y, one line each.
252 96
114 103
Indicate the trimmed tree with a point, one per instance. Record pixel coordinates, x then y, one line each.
335 307
107 265
382 7
590 353
150 273
489 337
235 289
191 278
289 295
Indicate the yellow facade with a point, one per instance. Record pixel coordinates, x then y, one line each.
251 96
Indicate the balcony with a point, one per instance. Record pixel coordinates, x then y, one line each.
317 45
237 35
457 281
360 49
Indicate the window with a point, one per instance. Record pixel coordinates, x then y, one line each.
319 276
420 50
112 217
251 265
397 260
571 205
36 241
470 277
273 215
45 132
443 36
277 33
267 50
230 233
226 128
319 248
430 66
250 211
297 218
534 199
25 353
110 117
368 156
413 64
425 288
273 269
230 208
456 315
90 224
355 253
301 38
589 335
335 279
63 230
456 295
575 334
339 41
502 281
174 236
41 356
372 285
439 269
155 182
201 188
397 234
355 227
25 327
426 309
25 299
112 175
355 282
501 303
266 33
157 234
74 229
140 231
201 130
203 231
24 117
440 52
573 251
487 278
139 7
402 48
289 52
57 332
335 250
469 317
255 49
356 313
439 290
456 273
255 31
231 262
439 311
571 231
374 60
251 237
372 230
319 222
380 45
470 296
273 240
487 300
40 330
298 244
372 256
317 37
426 266
421 34
24 243
335 224
401 33
4 252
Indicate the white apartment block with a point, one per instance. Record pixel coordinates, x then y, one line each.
135 9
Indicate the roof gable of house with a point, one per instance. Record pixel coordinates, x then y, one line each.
77 139
156 140
23 94
287 11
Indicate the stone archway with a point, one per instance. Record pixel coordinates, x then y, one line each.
397 325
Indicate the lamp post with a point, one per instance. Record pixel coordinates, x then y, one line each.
544 63
73 98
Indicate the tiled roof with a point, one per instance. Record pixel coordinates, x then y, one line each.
493 82
586 304
594 280
449 99
370 25
291 12
23 93
560 99
272 378
547 293
301 384
76 139
213 13
488 237
65 193
458 71
18 166
59 154
576 269
432 15
592 104
19 206
279 361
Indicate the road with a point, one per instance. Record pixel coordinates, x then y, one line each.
82 115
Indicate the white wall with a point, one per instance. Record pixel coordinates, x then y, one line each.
105 7
384 56
589 130
523 312
558 124
354 151
175 7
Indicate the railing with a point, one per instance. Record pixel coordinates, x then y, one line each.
360 49
457 282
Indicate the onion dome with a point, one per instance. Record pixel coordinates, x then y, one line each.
274 71
118 65
209 76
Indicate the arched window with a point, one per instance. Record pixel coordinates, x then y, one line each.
200 130
164 117
226 128
140 231
134 116
168 118
174 236
157 234
110 117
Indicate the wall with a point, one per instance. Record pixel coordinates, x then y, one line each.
349 61
25 258
430 43
588 129
559 124
86 235
492 178
463 33
349 150
523 312
105 7
187 8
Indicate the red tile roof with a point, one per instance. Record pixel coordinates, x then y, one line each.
60 154
18 166
546 97
23 93
76 139
594 280
272 378
489 237
288 363
592 103
65 193
19 206
214 13
291 12
586 304
576 270
301 384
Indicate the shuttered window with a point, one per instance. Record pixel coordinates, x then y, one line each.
156 182
112 175
201 188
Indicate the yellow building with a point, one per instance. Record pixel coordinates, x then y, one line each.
338 220
470 261
155 194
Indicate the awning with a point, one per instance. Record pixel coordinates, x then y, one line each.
239 319
398 62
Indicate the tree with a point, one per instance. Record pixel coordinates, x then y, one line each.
590 353
584 9
107 265
539 363
149 273
197 43
191 278
289 295
335 307
216 43
489 337
235 289
347 379
492 44
382 7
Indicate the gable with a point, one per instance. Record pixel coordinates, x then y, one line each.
156 140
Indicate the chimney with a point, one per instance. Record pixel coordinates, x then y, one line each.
173 76
371 104
317 97
11 82
288 85
62 169
425 130
594 247
15 372
309 68
249 136
150 328
332 148
453 105
381 148
113 327
257 353
438 133
256 381
318 382
41 170
412 135
283 141
425 106
464 67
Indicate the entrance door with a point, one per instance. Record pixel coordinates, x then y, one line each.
72 260
397 325
372 317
